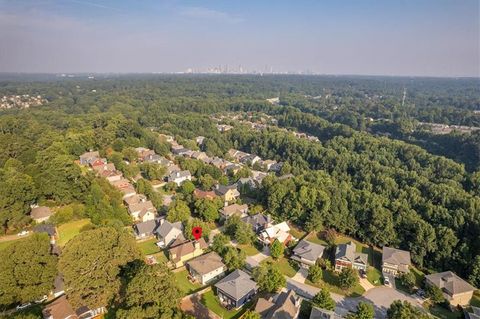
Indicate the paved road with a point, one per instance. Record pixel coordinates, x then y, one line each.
301 275
13 237
381 297
192 305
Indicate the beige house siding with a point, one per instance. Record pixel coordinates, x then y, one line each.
187 257
460 299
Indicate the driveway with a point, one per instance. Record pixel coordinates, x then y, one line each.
301 275
380 297
254 261
367 285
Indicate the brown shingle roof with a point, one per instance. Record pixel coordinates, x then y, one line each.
180 247
450 282
206 263
59 308
40 212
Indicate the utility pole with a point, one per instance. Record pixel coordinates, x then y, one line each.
404 96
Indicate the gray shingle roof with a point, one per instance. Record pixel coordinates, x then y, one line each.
147 227
206 263
237 284
450 282
395 256
308 250
349 252
166 227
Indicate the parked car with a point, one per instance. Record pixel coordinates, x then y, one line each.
25 305
44 298
363 274
386 281
23 233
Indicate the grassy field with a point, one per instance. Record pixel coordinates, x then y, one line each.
148 247
296 232
250 250
313 237
69 230
330 280
184 284
210 300
283 264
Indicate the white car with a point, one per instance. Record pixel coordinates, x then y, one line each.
386 281
25 305
44 298
23 233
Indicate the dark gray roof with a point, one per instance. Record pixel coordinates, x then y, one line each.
396 256
147 227
286 306
257 219
349 252
319 313
237 284
166 227
45 228
308 250
450 282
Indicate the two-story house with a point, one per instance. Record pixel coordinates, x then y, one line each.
456 291
206 268
346 255
236 289
182 250
395 261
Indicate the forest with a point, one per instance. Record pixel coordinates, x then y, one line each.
409 189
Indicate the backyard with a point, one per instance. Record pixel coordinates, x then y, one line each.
284 265
250 250
71 229
210 300
148 247
184 284
330 280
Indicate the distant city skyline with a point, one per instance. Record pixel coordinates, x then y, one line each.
347 37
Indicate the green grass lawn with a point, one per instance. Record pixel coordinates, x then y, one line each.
313 237
148 247
210 300
184 284
419 276
5 244
374 276
442 313
250 250
161 257
330 281
69 230
296 232
283 265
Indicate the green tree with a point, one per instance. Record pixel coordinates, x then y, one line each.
315 273
408 281
364 310
206 209
323 300
404 310
244 234
178 211
251 315
220 243
187 187
268 277
434 293
153 171
474 276
91 263
234 258
206 182
347 278
152 293
27 270
196 222
276 249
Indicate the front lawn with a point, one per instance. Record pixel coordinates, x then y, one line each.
210 300
71 229
250 250
443 313
374 276
330 281
148 247
184 284
284 265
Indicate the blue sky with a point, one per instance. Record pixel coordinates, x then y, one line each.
414 37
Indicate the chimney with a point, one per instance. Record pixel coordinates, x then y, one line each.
196 244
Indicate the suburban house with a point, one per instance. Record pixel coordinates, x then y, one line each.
40 214
166 138
85 312
199 194
258 176
224 128
179 177
267 164
156 159
236 154
125 187
276 167
146 229
236 289
182 250
258 221
206 268
172 169
246 182
232 168
59 309
320 313
284 305
228 193
307 253
88 157
279 231
395 261
108 171
142 210
234 209
199 155
250 159
457 291
98 162
199 139
168 232
346 255
143 153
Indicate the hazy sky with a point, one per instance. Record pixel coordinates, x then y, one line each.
414 37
